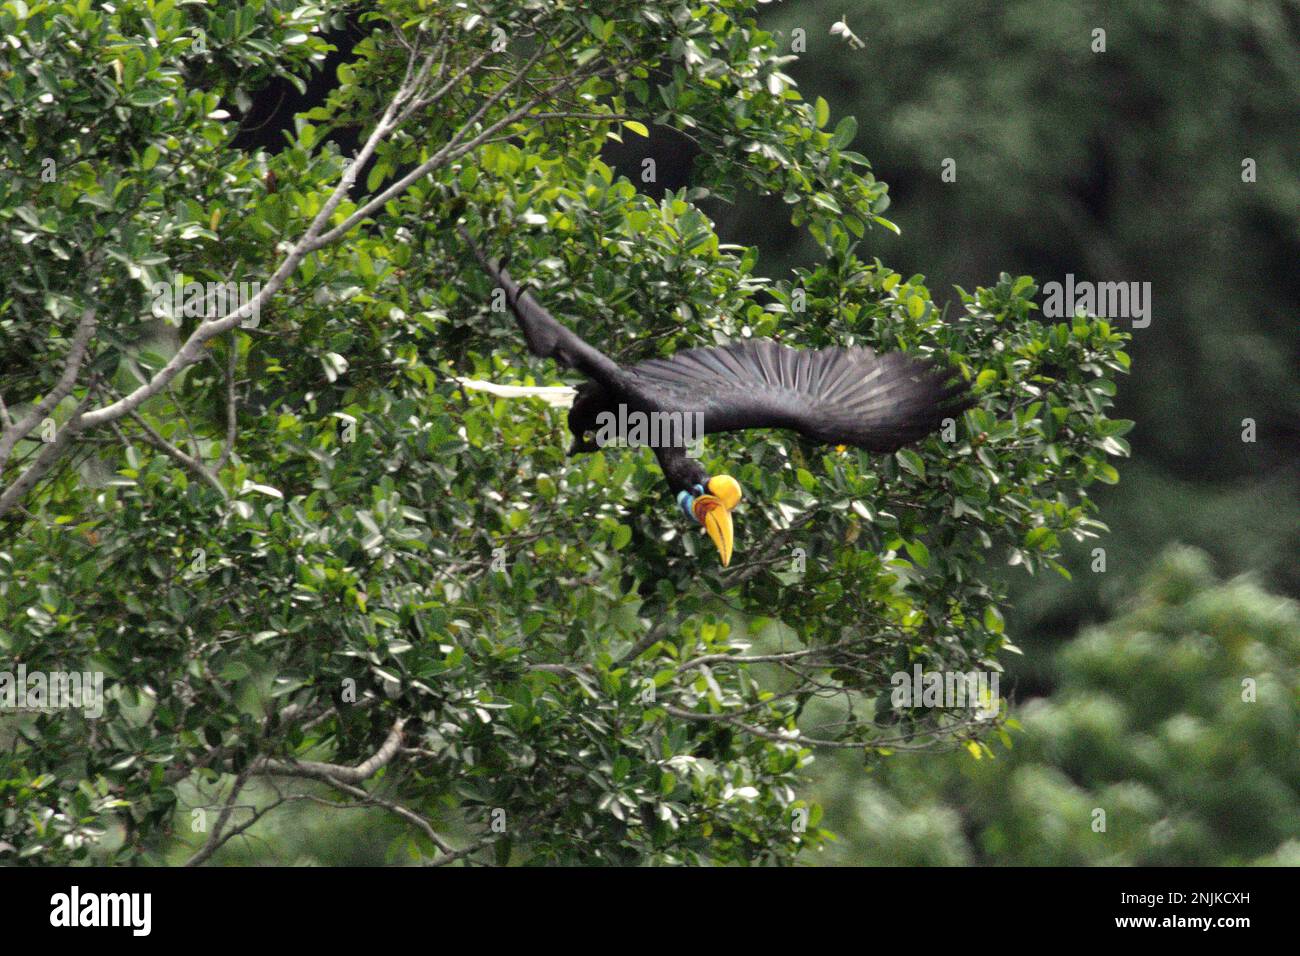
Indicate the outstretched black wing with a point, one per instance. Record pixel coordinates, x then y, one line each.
849 396
547 337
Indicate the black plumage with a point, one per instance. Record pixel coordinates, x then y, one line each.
840 396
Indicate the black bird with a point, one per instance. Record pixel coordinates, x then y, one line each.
840 396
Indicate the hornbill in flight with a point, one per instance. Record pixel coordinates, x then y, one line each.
840 396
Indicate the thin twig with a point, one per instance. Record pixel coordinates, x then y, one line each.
167 448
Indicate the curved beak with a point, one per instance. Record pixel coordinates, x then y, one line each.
713 510
715 517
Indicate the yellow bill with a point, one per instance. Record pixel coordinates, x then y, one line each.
717 522
713 510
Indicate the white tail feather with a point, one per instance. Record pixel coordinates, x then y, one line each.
557 396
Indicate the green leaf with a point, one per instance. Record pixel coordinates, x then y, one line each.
1114 427
845 130
918 552
910 461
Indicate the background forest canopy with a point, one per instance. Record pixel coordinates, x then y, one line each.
347 611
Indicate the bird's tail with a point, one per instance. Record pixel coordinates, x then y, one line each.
557 396
535 322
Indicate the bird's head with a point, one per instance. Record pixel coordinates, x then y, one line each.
710 503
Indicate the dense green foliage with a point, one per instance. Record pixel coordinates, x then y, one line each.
1178 720
309 545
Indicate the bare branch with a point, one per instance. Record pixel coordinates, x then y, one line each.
167 448
396 809
258 814
232 360
750 659
71 367
45 460
332 772
215 841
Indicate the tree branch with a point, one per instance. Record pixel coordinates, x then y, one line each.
215 841
333 772
45 460
71 367
167 448
232 360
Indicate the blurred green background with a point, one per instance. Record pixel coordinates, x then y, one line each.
1123 165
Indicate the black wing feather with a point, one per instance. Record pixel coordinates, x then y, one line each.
849 396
